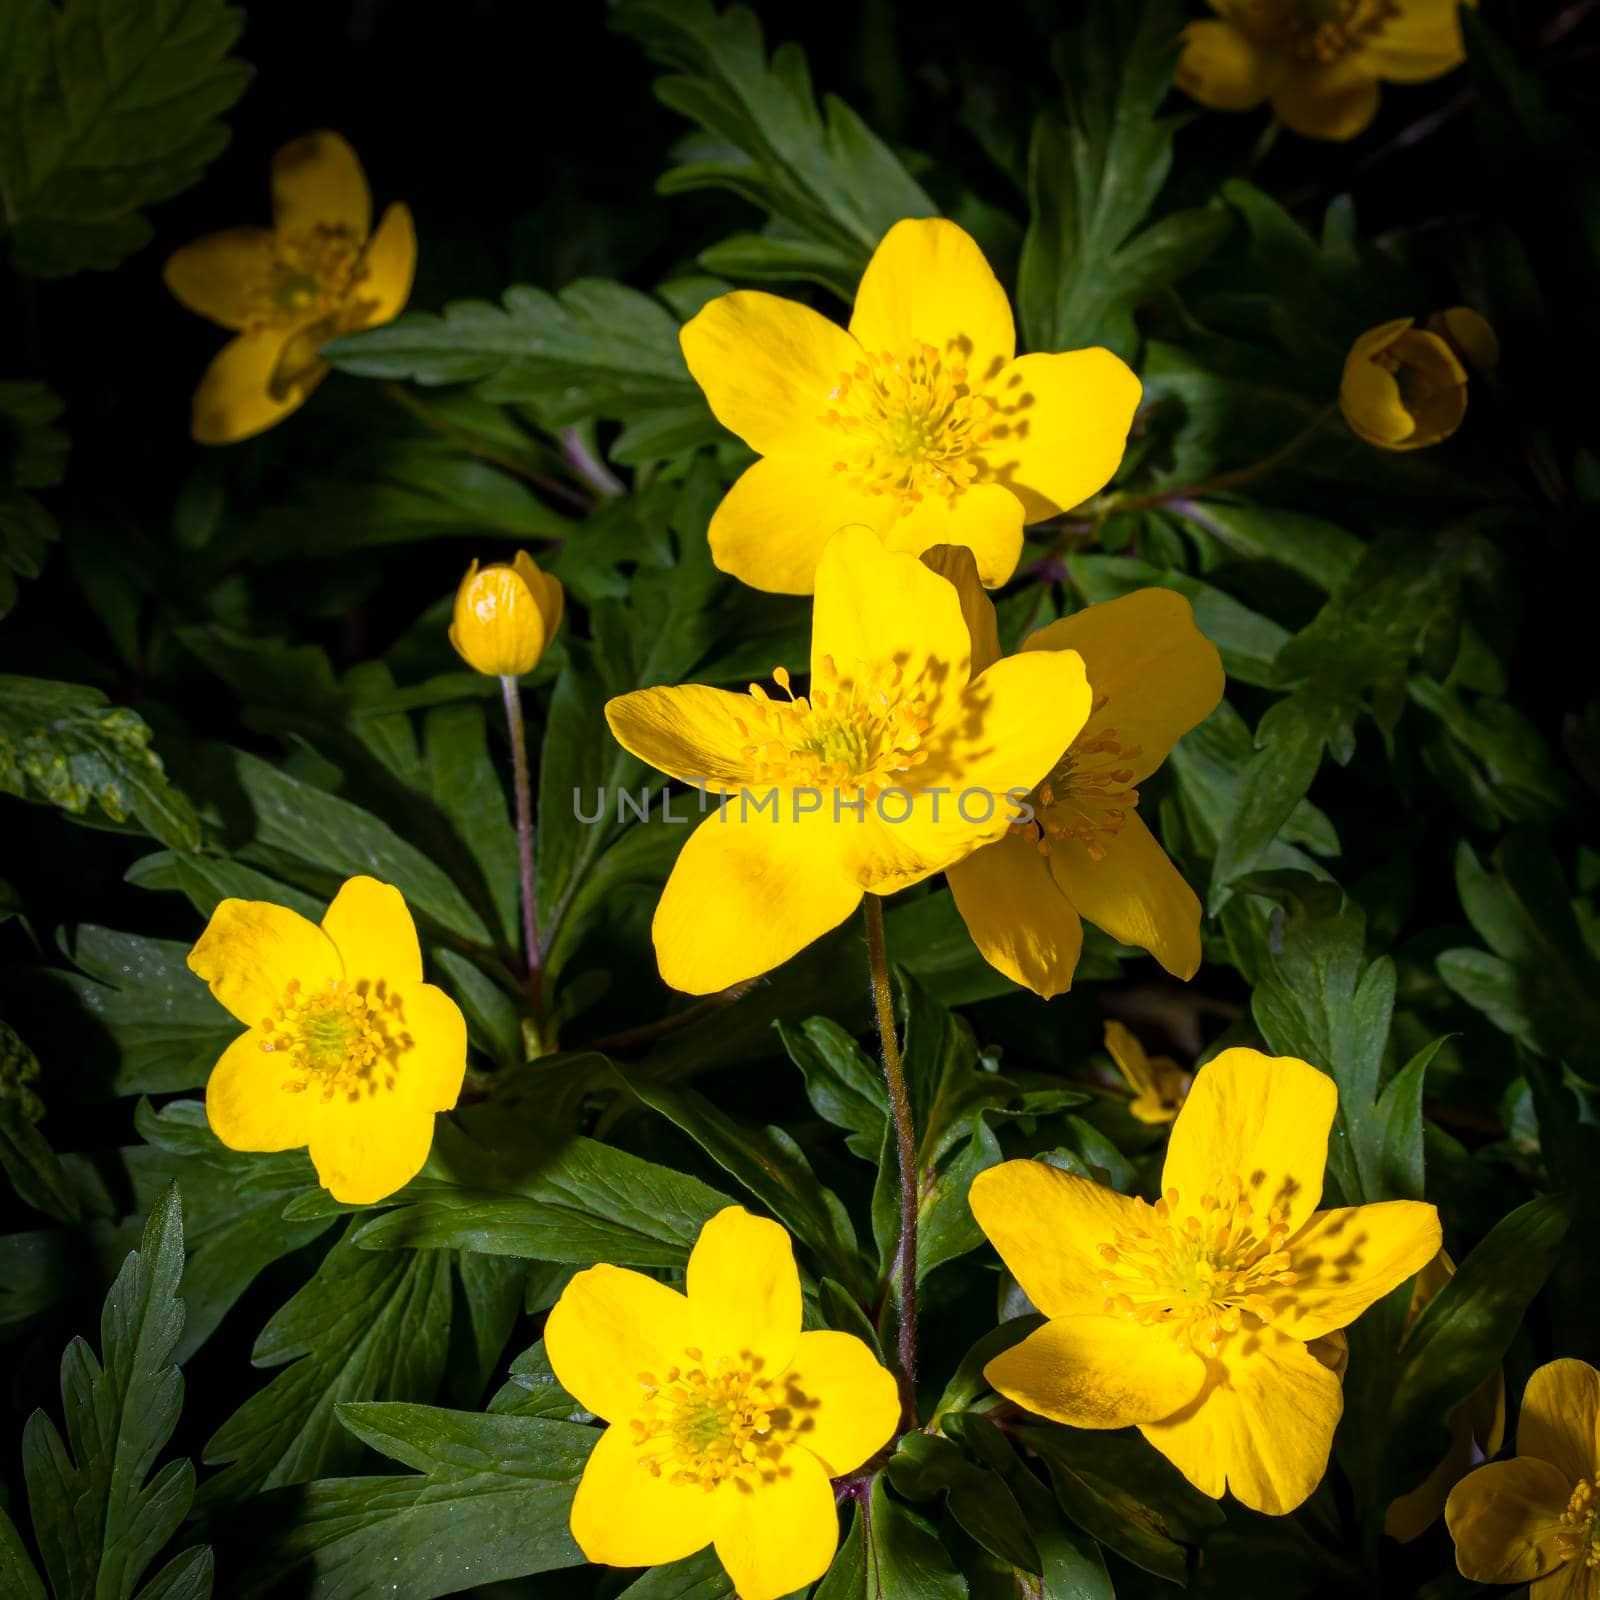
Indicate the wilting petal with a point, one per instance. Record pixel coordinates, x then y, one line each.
1344 1260
214 275
1020 921
1504 1519
252 950
623 1515
778 1531
317 181
248 1107
743 1284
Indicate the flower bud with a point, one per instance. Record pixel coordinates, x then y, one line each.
505 616
1404 387
1469 335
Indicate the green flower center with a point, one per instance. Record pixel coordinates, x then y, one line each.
333 1039
310 277
704 1422
1319 31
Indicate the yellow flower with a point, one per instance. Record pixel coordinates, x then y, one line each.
505 616
1318 61
1468 333
1199 1319
348 1050
319 271
1159 1084
901 760
919 422
1403 387
726 1421
1537 1519
1087 853
1479 1422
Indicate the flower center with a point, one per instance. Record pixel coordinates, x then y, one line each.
333 1039
862 730
1318 31
1579 1537
1086 794
1201 1271
310 277
704 1422
909 425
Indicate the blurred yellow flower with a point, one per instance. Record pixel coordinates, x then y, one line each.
348 1050
1477 1424
920 422
319 271
1318 61
1536 1519
902 759
1403 387
505 616
726 1421
1204 1320
1468 333
1159 1084
1086 853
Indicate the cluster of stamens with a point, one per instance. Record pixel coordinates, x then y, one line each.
704 1422
910 425
1579 1535
1087 793
1318 31
1200 1272
859 731
310 277
331 1039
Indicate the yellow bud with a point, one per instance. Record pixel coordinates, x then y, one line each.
1469 335
505 616
1403 387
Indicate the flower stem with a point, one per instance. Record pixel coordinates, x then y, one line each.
906 1147
524 799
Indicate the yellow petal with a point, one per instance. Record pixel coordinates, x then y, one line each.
1263 1119
246 1104
1048 1226
1262 1426
957 565
1098 1372
214 275
1410 1515
235 398
1132 1062
1335 102
1061 427
318 182
687 731
1223 68
1468 334
371 928
984 517
1369 398
746 895
928 283
742 1281
1416 42
609 1326
1348 1258
768 366
1570 1581
1020 921
849 1402
366 1143
1134 893
430 1071
1560 1420
1504 1519
1158 674
623 1515
498 625
545 588
388 264
253 950
771 527
777 1533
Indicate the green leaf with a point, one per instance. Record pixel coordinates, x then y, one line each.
64 745
946 1227
491 1504
967 1384
209 880
32 456
531 1389
107 106
829 184
187 1576
924 1467
1316 549
98 1521
891 1554
843 1084
367 1326
1398 1143
1095 168
18 1575
697 1577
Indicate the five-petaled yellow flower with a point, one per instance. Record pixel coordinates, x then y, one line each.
348 1050
505 616
1405 387
1086 853
903 757
1191 1318
1536 1519
1159 1084
319 271
1318 61
920 422
726 1421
